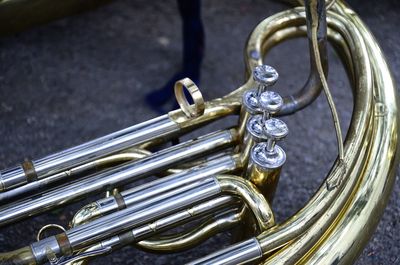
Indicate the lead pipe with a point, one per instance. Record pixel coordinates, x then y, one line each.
237 254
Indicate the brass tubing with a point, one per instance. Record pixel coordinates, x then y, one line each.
361 213
269 33
355 155
160 225
191 238
228 185
231 185
336 223
22 256
355 150
352 249
255 53
248 142
251 196
40 169
119 222
356 159
231 103
265 179
84 236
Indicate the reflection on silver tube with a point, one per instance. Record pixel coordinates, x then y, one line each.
12 177
124 220
156 187
173 220
119 176
240 253
128 218
114 142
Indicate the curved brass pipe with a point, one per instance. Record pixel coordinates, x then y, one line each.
348 247
193 237
232 185
133 154
358 187
22 256
249 193
342 174
362 210
181 241
229 184
177 242
91 211
230 104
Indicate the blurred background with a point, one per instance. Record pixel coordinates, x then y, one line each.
87 75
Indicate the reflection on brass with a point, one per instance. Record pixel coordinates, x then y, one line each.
193 237
198 107
199 179
265 180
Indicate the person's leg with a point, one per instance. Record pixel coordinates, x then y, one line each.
193 38
193 52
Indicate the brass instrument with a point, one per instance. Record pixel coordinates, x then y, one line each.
225 179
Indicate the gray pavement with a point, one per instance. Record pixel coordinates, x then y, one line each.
84 76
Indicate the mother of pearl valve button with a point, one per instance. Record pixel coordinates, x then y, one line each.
255 126
267 160
250 101
267 154
274 130
270 103
265 76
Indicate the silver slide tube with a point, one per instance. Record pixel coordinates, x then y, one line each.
148 211
109 225
226 202
100 147
159 186
119 176
124 220
237 254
